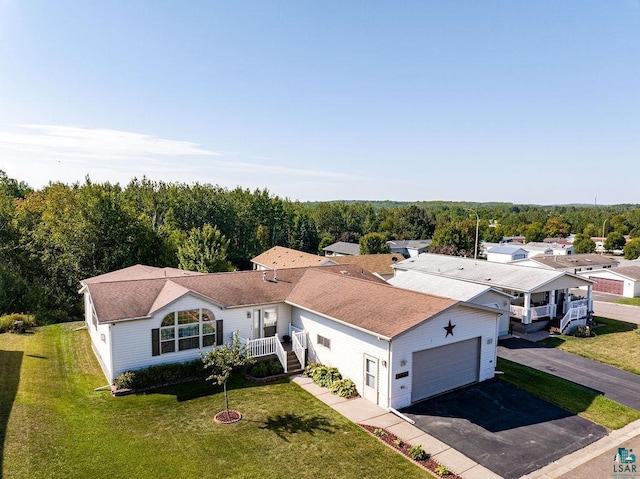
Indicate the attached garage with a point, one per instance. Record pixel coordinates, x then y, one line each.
444 368
611 286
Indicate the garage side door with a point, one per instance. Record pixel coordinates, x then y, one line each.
611 286
441 369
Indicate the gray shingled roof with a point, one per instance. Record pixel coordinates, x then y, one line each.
343 247
499 275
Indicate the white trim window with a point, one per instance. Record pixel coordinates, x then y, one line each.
188 329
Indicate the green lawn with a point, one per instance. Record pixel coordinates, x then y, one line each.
54 425
629 301
568 395
617 344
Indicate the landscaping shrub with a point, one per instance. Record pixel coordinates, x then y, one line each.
311 368
125 381
442 471
344 388
325 376
417 453
157 375
583 332
266 368
6 322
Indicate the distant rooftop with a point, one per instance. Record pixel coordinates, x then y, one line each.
342 247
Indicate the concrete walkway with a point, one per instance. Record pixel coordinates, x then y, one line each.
361 410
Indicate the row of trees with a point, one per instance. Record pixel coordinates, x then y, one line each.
52 238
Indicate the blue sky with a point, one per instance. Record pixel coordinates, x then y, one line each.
518 101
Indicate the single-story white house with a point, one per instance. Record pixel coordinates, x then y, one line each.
460 290
506 253
536 248
541 296
409 248
574 263
623 281
398 346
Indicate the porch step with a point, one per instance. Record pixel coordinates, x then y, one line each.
292 362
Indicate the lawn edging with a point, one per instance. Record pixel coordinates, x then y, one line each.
389 439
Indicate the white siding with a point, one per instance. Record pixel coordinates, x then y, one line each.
468 323
100 338
132 339
348 347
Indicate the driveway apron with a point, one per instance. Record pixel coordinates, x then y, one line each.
615 384
503 428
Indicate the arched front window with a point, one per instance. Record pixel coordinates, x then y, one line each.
188 329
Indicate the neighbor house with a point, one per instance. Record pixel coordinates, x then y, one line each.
536 248
280 257
540 295
409 248
398 346
341 248
461 291
574 263
505 253
622 281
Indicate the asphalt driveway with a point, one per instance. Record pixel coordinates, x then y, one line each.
506 429
616 384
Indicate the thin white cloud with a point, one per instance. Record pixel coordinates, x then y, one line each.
76 142
38 153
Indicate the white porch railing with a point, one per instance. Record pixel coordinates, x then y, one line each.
299 345
537 312
578 315
266 347
294 329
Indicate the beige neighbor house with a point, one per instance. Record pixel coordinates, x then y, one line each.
280 257
398 346
541 296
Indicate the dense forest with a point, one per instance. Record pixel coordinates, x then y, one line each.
52 238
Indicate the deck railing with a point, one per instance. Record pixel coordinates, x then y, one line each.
269 346
299 346
576 315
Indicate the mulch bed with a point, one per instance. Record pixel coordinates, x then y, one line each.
403 448
223 418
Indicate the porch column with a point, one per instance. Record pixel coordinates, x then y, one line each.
567 300
552 302
526 313
590 297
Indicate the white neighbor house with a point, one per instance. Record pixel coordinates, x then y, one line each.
398 346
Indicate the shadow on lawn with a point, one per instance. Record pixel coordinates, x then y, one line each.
11 362
292 423
201 388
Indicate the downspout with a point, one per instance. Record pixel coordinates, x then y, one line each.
111 355
389 383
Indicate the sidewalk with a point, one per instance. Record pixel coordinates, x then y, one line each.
363 411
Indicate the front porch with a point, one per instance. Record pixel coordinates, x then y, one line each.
558 309
292 354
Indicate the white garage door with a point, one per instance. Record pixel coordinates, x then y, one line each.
441 369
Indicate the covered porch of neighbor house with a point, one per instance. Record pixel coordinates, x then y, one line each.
551 308
291 351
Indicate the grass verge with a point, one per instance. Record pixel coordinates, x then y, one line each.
628 301
570 396
617 344
54 425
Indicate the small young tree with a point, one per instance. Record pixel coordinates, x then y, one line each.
373 243
614 241
222 360
632 249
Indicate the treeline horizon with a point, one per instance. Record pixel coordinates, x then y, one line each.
55 236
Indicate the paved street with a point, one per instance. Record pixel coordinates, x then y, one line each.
603 465
622 312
